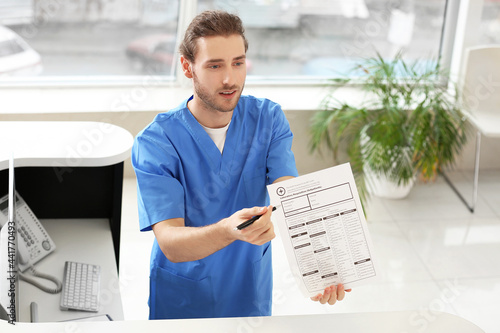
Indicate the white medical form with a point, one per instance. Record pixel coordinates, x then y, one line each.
324 230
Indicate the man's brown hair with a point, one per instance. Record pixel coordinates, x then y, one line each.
207 24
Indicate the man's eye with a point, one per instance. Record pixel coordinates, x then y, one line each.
239 63
214 66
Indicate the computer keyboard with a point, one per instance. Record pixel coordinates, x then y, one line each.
81 287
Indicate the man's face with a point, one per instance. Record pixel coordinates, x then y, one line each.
219 72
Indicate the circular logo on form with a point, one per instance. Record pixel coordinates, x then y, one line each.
280 191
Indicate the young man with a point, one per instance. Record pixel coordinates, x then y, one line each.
202 169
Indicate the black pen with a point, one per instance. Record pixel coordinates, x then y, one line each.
251 221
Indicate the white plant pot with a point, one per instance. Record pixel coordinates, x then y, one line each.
381 186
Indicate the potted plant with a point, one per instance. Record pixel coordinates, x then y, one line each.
409 124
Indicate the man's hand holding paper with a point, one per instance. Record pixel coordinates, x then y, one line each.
332 294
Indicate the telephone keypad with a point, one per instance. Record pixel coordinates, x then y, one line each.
31 232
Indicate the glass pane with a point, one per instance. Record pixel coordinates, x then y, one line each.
88 37
490 23
326 37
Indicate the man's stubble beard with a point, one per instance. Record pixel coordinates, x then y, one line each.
210 101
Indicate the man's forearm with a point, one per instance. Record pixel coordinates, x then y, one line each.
283 178
180 243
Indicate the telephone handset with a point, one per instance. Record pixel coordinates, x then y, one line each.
33 241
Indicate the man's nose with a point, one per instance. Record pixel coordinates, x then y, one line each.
228 76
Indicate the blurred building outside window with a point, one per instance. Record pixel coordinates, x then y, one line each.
289 39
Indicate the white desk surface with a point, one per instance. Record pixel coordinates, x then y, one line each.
386 322
63 143
87 241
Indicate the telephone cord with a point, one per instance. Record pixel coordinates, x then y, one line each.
37 284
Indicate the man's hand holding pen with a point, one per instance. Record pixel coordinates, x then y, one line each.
253 225
257 226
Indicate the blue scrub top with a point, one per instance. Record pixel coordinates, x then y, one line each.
182 174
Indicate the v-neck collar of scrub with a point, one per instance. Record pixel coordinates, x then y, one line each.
218 161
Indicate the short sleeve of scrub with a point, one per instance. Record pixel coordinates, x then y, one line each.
280 159
160 194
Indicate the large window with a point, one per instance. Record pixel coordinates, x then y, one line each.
98 39
325 37
90 37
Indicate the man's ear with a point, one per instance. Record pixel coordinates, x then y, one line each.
186 68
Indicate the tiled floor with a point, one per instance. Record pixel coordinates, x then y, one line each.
434 255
